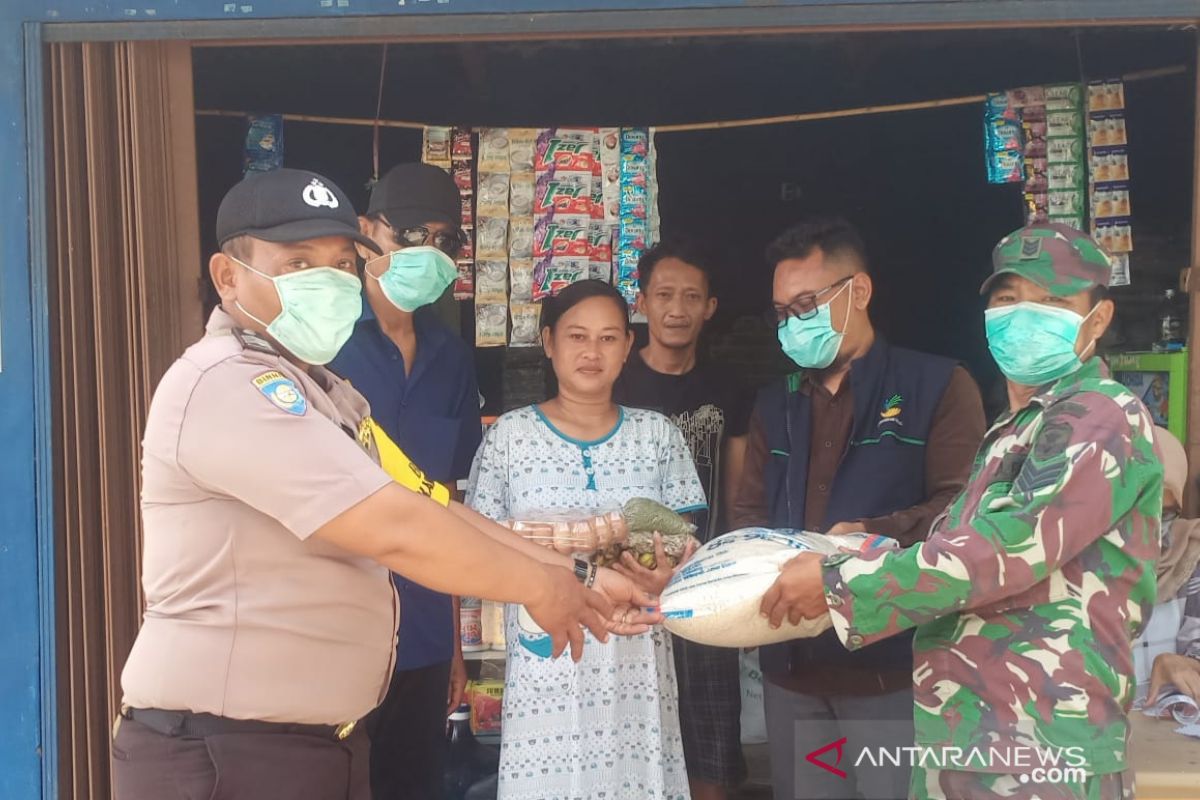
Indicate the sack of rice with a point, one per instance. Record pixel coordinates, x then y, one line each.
715 597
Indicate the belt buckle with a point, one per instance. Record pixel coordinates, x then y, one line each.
344 730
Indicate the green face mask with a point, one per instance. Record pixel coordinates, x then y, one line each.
1034 344
416 276
319 308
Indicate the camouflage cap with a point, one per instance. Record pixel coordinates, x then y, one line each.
1056 257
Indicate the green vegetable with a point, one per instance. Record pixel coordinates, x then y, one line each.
644 515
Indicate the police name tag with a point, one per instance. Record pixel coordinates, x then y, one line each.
282 392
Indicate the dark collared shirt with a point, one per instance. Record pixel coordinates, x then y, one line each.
432 413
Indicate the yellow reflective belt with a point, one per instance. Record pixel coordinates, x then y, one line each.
399 466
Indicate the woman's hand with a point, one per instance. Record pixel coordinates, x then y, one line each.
653 580
634 610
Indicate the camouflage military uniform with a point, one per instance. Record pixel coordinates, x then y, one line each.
1027 594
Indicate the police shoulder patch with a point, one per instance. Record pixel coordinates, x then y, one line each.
282 392
249 340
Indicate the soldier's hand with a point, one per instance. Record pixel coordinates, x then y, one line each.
564 608
1179 671
843 528
798 593
634 609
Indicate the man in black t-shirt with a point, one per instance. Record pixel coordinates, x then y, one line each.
713 412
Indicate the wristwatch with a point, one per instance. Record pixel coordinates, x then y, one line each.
582 568
585 571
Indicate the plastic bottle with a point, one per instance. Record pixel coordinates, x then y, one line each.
1172 335
470 624
467 761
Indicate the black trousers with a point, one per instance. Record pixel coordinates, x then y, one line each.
148 765
408 736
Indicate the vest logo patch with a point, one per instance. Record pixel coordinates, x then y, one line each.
892 408
282 392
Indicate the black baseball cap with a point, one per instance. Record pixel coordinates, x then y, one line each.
288 205
413 194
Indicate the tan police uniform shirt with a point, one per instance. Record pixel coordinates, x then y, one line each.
244 457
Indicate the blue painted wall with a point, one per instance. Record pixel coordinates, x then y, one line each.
20 659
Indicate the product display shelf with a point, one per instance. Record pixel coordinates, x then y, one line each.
485 655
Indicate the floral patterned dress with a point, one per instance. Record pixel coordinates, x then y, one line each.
607 727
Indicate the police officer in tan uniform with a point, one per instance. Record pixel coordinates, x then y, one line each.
270 527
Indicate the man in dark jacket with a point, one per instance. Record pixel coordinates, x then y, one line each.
865 437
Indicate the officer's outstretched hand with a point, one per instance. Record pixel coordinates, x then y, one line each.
564 608
634 609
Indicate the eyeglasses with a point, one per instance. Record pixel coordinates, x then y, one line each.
449 242
803 307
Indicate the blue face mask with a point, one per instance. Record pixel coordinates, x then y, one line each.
416 276
1034 344
813 343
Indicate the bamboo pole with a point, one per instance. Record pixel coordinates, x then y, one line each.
785 119
383 123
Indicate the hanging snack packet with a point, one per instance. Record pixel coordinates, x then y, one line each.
1006 167
491 238
264 143
1067 203
521 191
520 243
562 193
491 325
564 150
468 210
493 150
1063 96
522 149
1063 123
520 272
525 329
491 282
1003 134
553 273
1120 270
435 147
493 195
997 106
1066 176
1110 164
1027 96
464 283
460 145
561 236
610 169
1061 151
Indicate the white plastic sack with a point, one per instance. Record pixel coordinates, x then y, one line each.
714 599
754 717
